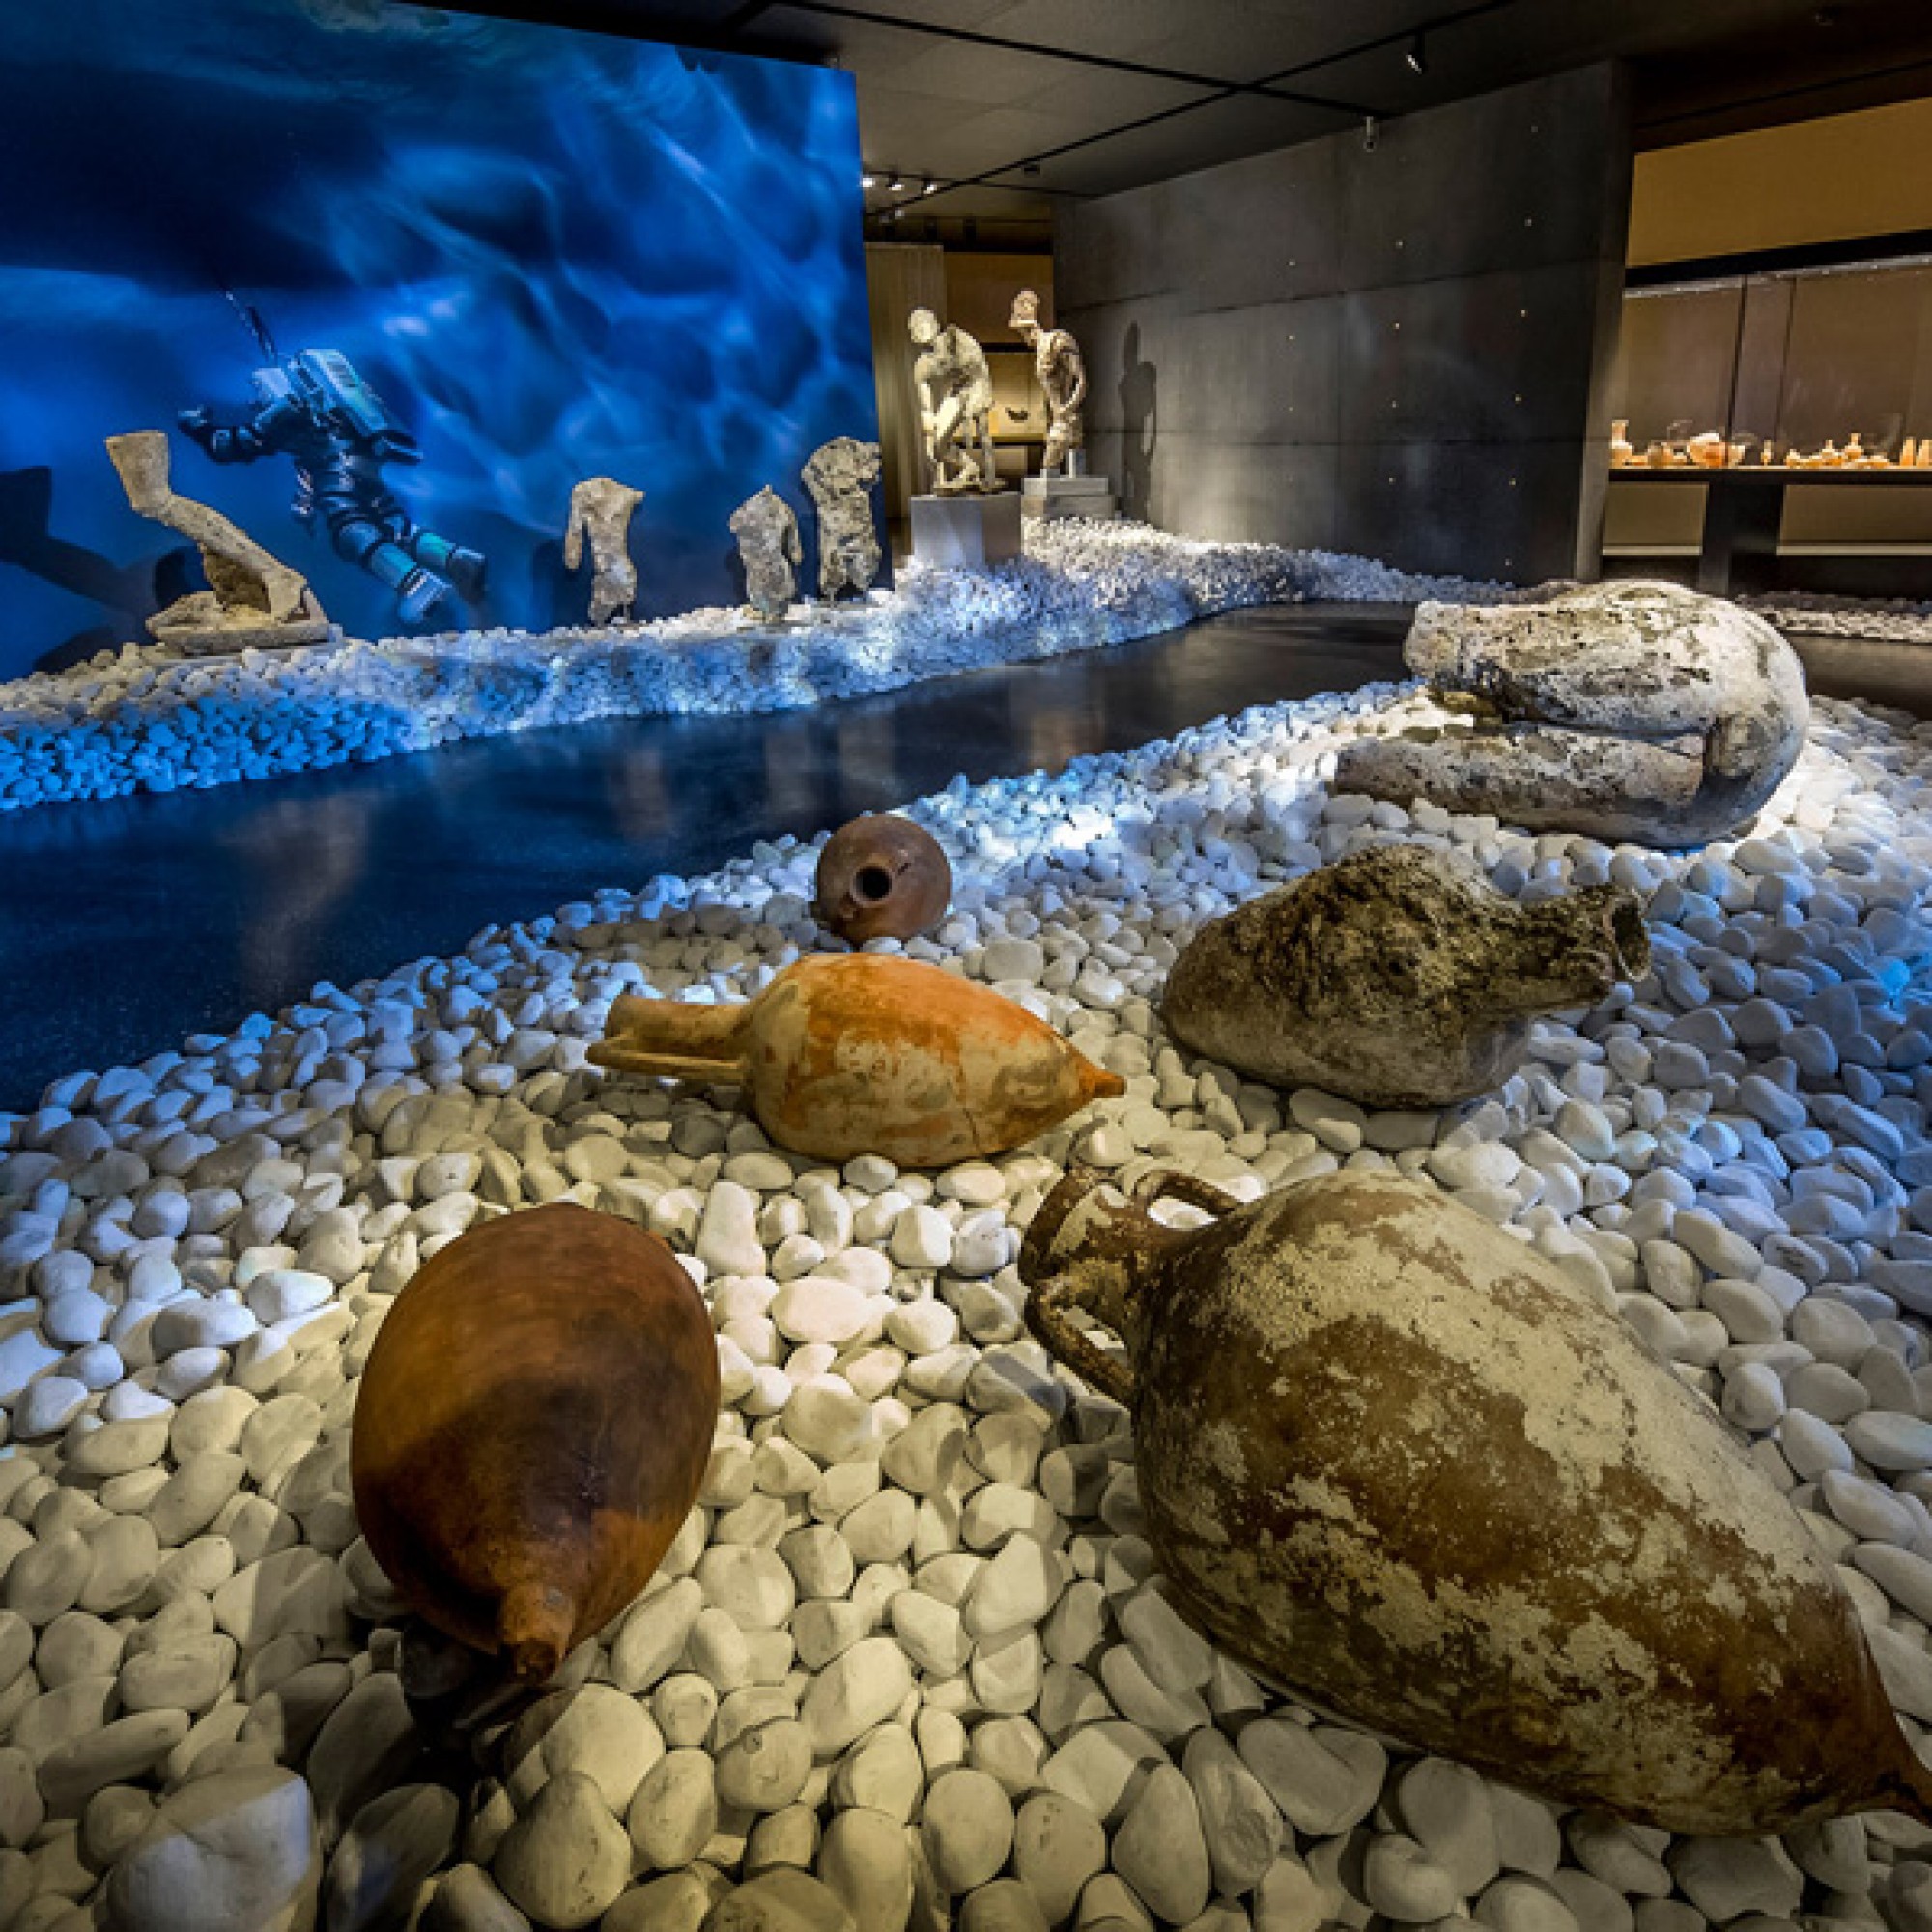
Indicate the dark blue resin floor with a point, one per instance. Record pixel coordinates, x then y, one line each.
126 925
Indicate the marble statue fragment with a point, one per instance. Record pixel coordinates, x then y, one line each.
601 509
1061 372
955 405
768 548
1633 711
839 475
1408 1467
254 599
1398 976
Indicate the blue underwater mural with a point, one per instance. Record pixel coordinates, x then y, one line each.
393 280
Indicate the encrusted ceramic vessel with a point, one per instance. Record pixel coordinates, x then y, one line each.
532 1427
861 1053
1400 1463
1399 977
1625 711
882 877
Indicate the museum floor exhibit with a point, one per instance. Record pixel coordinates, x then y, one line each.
1313 1316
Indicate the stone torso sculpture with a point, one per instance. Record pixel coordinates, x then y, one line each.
1062 376
768 548
955 405
1630 710
839 475
601 509
253 597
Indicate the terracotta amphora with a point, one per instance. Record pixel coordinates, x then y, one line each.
1402 1465
882 877
862 1053
532 1427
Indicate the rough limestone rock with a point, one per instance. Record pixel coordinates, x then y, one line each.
234 1850
1397 977
1625 711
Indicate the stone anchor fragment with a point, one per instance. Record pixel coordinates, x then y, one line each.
1405 1466
601 509
1624 711
1398 978
252 599
532 1429
861 1053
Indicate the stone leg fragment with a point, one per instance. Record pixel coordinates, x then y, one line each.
1537 776
242 575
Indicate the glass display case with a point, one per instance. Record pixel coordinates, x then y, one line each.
1808 368
1791 411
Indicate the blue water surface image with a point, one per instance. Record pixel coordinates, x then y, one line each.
393 280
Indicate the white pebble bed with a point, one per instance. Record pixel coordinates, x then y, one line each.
144 719
910 1657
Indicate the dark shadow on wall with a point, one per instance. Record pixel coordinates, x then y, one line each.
132 592
1138 429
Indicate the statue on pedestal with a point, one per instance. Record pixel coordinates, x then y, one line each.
1063 375
955 405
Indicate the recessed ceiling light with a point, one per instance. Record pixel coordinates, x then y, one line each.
931 187
868 181
898 184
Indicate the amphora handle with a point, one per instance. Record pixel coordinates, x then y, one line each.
1049 1311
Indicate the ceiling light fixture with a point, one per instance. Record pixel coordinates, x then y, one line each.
868 181
931 187
1417 56
898 185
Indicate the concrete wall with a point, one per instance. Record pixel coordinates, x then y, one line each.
1402 352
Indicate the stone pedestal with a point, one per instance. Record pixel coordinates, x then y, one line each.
967 532
1068 496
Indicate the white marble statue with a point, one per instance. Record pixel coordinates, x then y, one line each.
768 548
955 405
1063 375
601 509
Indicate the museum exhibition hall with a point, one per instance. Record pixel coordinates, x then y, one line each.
966 966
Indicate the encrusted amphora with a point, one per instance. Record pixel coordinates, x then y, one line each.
1402 1464
1398 976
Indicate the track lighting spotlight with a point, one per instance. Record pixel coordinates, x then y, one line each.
931 187
898 185
1417 56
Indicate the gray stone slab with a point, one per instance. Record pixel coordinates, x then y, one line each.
1068 496
966 532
